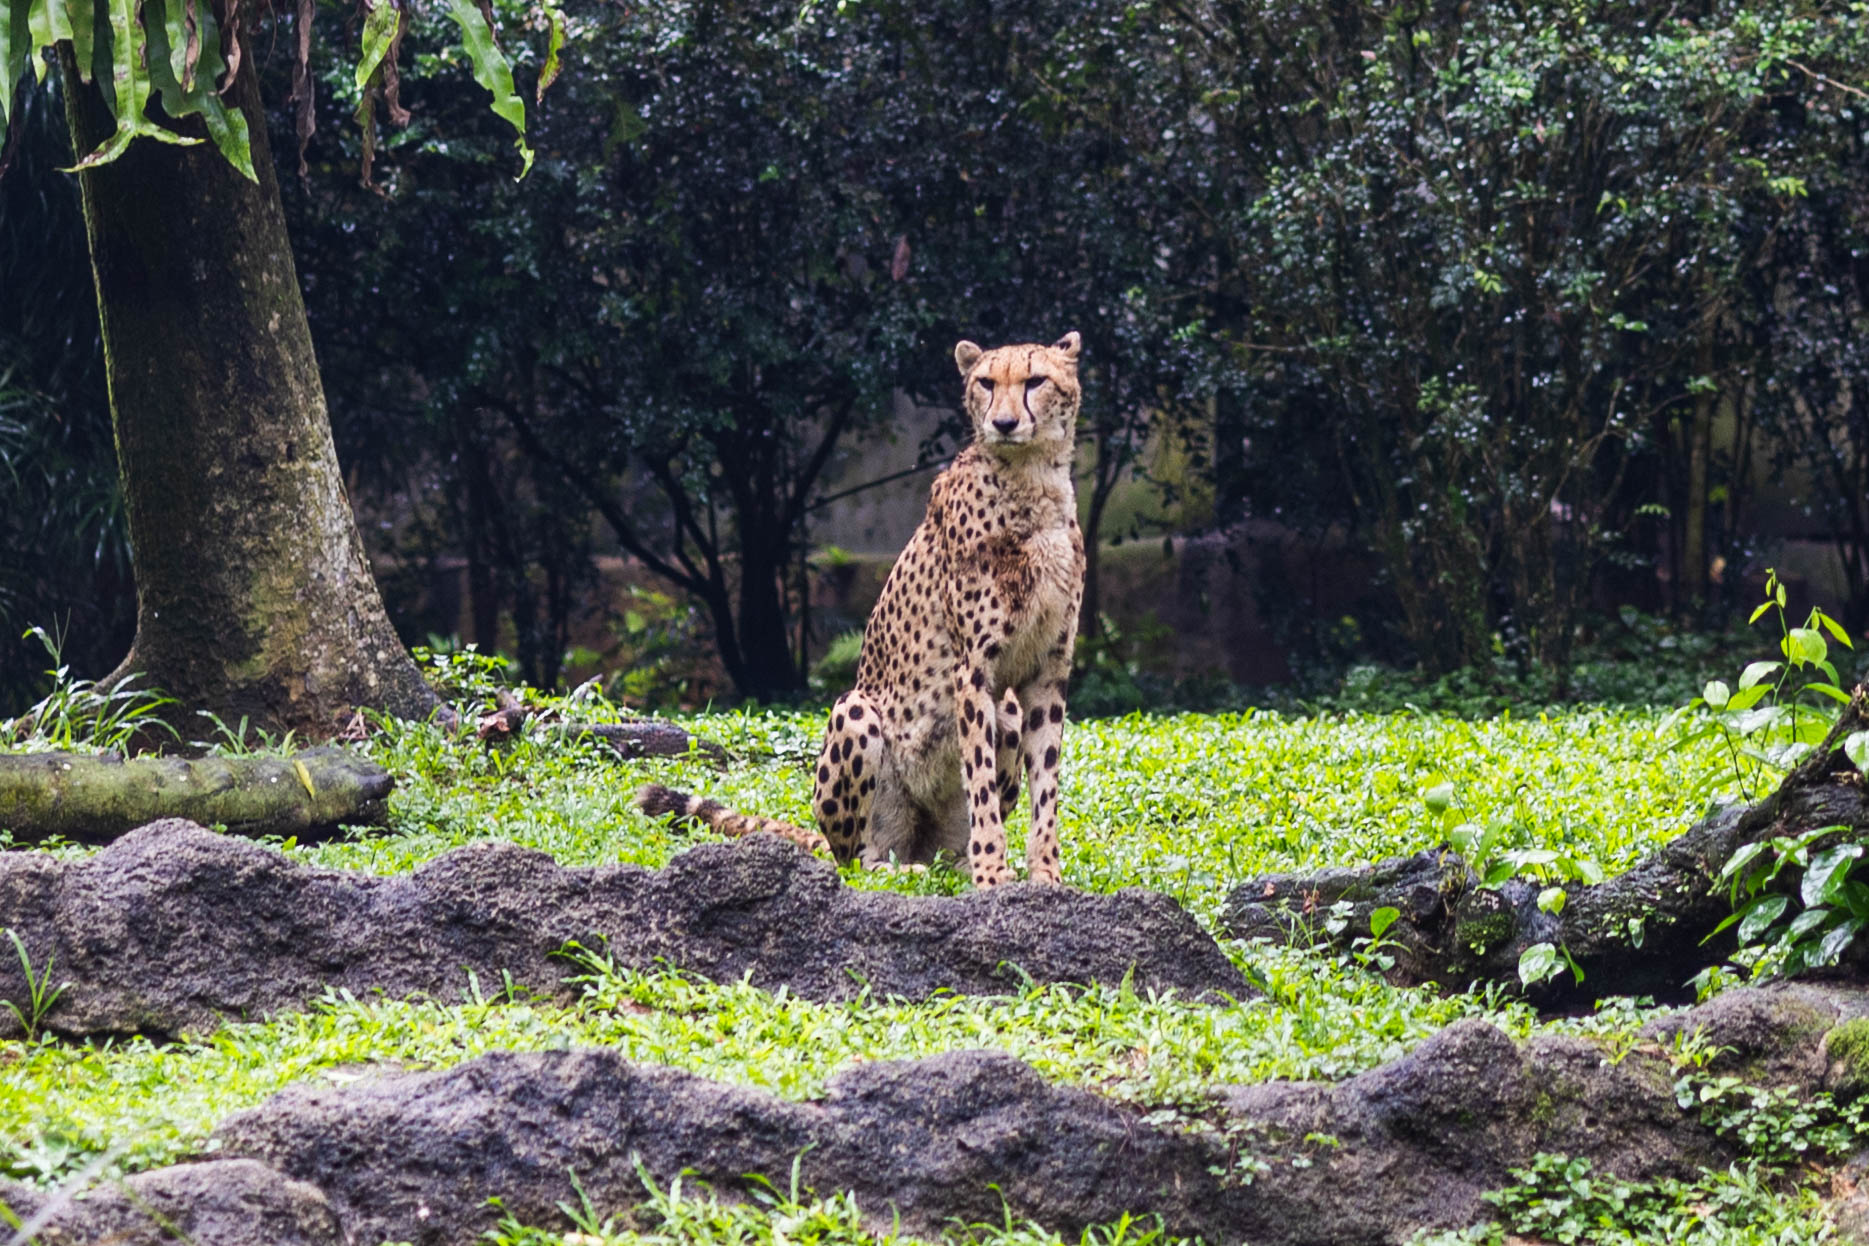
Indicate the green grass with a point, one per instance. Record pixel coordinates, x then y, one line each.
1183 804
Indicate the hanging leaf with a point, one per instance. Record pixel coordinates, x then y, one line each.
379 33
227 127
233 45
58 19
15 48
392 77
549 72
305 121
131 82
492 71
81 15
39 25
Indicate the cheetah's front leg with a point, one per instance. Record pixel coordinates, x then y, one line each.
1043 700
986 831
849 767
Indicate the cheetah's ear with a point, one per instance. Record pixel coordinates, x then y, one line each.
966 354
1068 345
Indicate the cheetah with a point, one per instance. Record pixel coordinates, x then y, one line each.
968 652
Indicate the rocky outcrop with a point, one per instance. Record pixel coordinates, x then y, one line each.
972 1136
173 928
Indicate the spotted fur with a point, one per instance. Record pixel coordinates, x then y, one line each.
968 651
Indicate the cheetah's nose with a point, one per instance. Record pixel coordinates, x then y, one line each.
1005 426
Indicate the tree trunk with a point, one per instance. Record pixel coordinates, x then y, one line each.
765 644
1699 433
254 596
1643 933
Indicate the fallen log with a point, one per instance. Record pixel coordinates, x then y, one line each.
1643 933
93 798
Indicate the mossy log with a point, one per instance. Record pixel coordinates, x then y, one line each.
93 799
1643 933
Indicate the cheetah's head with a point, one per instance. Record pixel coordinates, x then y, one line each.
1022 396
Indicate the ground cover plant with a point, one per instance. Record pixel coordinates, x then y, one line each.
1183 804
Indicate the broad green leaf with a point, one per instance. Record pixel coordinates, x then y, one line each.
58 18
226 126
1746 698
1538 962
548 73
1759 613
1824 867
1589 871
1757 671
175 17
131 82
1856 748
1716 694
1830 690
39 26
1835 628
379 31
81 16
1743 857
1496 873
1759 916
1804 646
1438 798
15 49
1551 900
1807 921
1382 919
492 71
1837 940
1752 720
1855 898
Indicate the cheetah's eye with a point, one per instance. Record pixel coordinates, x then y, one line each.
986 385
1033 383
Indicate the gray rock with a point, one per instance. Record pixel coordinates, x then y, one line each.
1413 1144
1407 1146
173 927
414 1157
1770 1036
223 1203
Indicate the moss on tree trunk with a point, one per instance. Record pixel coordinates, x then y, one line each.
254 597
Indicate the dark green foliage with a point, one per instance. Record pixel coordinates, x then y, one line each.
1488 260
743 235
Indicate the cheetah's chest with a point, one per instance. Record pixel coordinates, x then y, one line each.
1035 578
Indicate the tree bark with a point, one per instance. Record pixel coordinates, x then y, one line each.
254 597
93 799
1643 933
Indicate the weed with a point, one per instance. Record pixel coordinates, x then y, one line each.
41 995
83 714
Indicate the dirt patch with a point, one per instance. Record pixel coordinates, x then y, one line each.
173 928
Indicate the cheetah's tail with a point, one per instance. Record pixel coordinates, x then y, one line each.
656 800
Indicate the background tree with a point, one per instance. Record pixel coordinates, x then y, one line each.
1488 256
742 235
254 597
